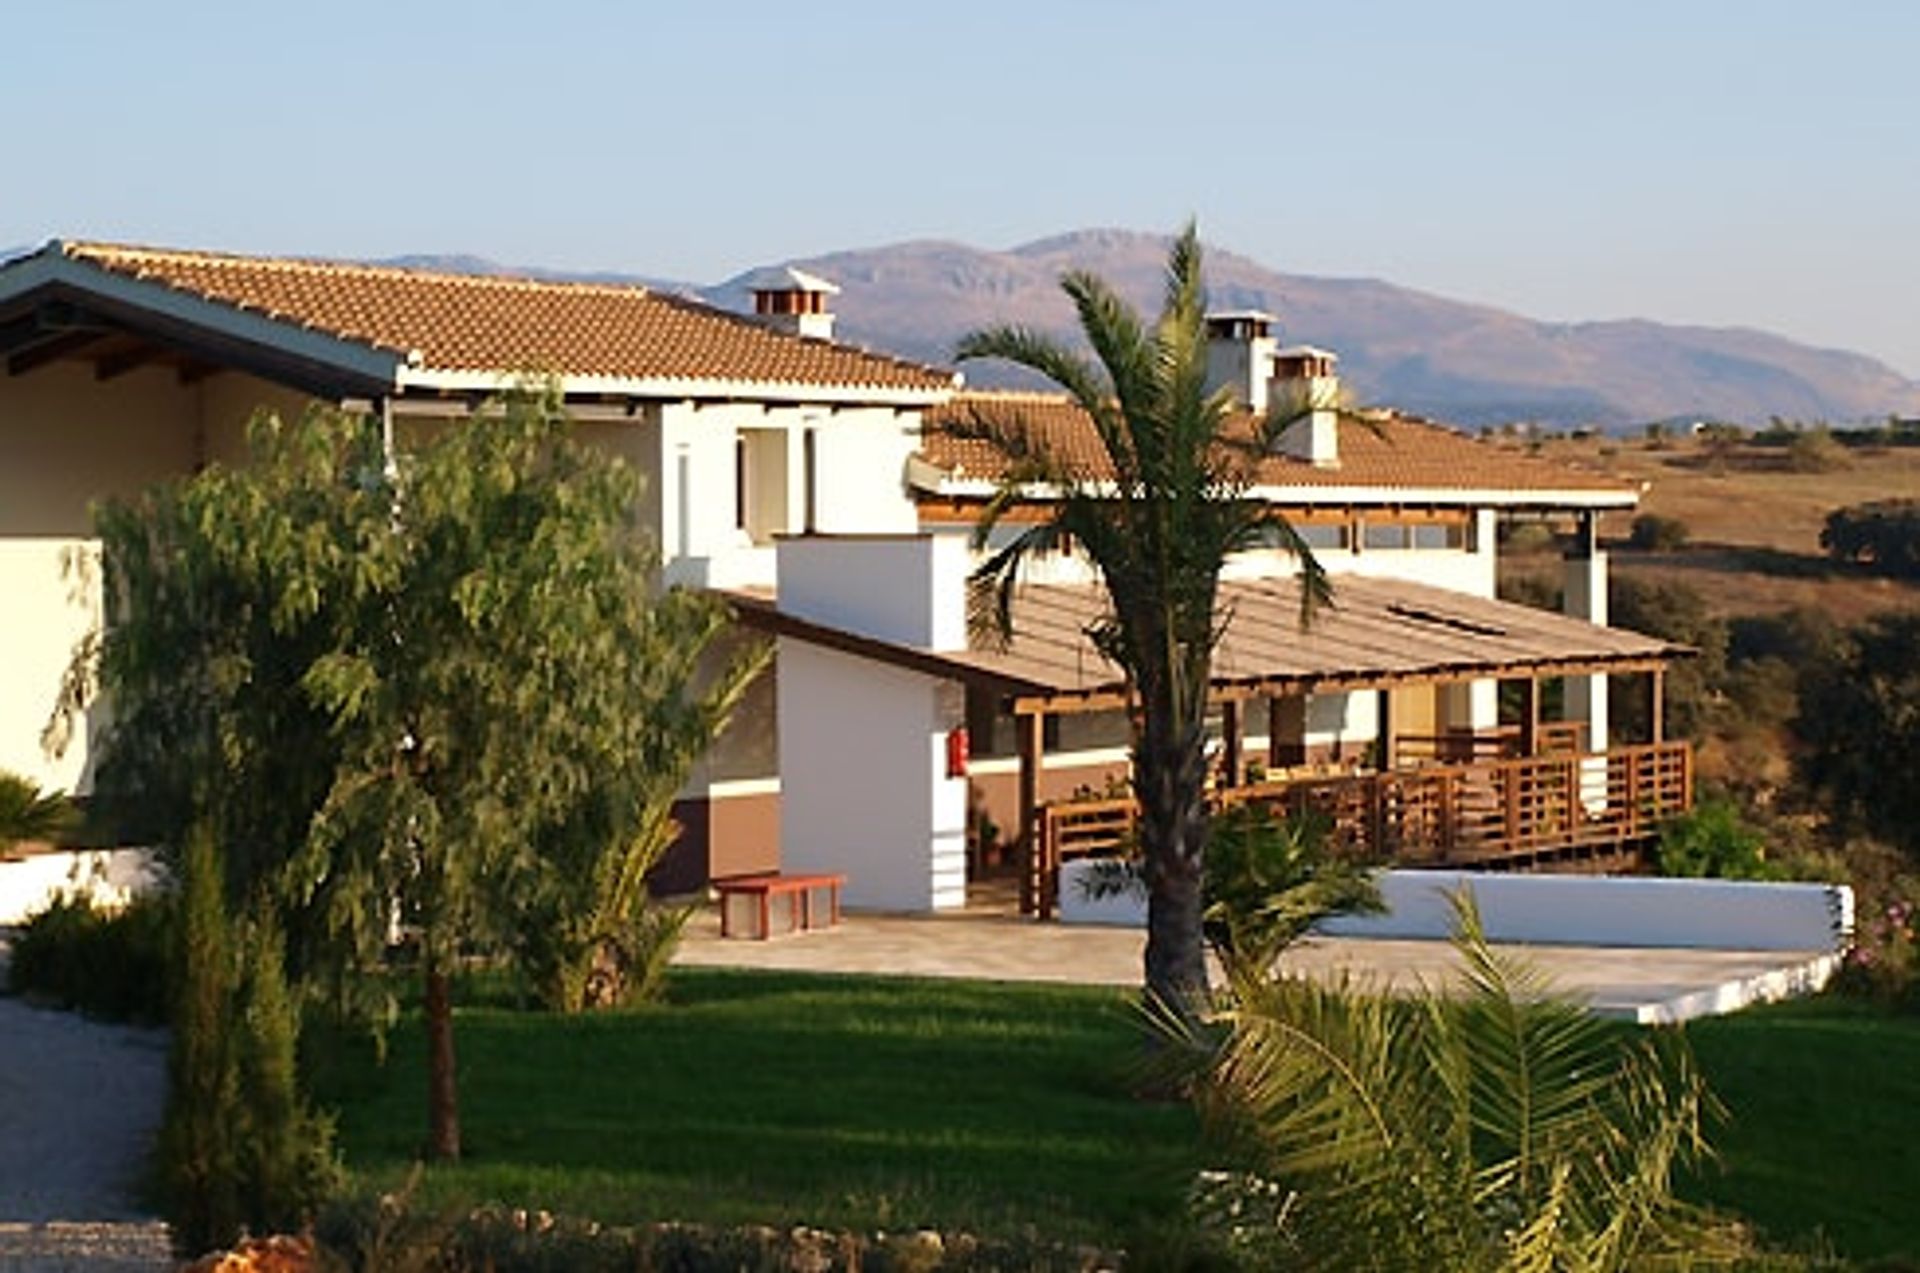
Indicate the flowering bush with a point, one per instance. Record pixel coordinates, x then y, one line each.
1885 960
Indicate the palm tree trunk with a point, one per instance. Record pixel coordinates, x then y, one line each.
443 1101
1169 777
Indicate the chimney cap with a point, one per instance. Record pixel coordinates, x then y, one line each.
1241 315
786 278
1307 351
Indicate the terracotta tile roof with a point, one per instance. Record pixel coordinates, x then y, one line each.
1377 632
484 323
1387 451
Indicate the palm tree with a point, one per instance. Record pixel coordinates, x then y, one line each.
1157 520
1489 1126
28 813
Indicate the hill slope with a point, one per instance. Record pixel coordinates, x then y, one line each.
1468 363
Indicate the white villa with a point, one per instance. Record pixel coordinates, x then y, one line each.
813 484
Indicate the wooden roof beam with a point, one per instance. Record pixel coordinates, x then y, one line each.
47 351
114 366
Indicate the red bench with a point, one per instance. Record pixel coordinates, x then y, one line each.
797 903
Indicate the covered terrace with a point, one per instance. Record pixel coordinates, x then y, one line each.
1420 782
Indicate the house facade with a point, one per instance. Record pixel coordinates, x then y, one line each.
820 487
122 366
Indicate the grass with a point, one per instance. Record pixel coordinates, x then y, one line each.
880 1103
1823 1142
780 1099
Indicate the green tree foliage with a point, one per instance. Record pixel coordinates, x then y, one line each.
1158 526
1491 1126
28 813
1270 879
444 689
1859 724
1714 841
1654 533
198 1155
1881 534
239 1147
1673 612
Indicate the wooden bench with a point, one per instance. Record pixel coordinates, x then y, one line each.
799 902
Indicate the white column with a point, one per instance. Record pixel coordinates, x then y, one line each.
1586 598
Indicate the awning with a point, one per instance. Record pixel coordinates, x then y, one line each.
1378 633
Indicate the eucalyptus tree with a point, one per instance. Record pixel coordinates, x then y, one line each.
1158 517
442 690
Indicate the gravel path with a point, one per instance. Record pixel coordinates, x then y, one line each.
79 1104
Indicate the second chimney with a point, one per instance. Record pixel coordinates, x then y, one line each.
1305 384
793 301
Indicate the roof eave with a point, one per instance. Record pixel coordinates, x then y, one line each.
673 388
361 367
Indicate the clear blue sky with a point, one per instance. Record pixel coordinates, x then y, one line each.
1743 163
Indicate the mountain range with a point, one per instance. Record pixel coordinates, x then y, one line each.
1465 363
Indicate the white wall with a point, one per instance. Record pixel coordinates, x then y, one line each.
1614 911
1581 910
111 877
67 440
908 589
863 780
860 457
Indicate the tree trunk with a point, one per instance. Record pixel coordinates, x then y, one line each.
1170 781
443 1099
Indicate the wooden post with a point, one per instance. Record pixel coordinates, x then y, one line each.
1030 741
1657 703
1387 728
1230 744
1530 716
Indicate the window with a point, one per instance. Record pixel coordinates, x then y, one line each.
1324 536
740 482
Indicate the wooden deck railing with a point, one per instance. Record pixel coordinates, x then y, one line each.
1580 812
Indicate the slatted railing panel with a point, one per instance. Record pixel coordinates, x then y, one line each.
1568 809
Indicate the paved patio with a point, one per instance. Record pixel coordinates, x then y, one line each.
1638 984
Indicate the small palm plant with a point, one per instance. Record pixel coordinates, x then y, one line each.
1494 1126
28 813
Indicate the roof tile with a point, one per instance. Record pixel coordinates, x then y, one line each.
488 323
1381 450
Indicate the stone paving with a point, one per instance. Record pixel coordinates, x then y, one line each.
1633 982
79 1104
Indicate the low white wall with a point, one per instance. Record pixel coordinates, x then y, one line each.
110 876
1581 910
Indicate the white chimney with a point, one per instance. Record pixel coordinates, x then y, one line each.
793 301
1306 385
1240 347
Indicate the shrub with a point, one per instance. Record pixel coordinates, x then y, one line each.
1654 533
28 813
1881 534
109 964
389 1233
1714 842
1816 451
239 1149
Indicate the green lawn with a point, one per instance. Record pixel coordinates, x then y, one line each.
855 1102
1823 1141
880 1103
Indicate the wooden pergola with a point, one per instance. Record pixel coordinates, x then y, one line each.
1380 635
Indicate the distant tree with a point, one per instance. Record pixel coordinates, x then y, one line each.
1860 728
1678 613
1655 533
1882 534
1158 525
486 700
